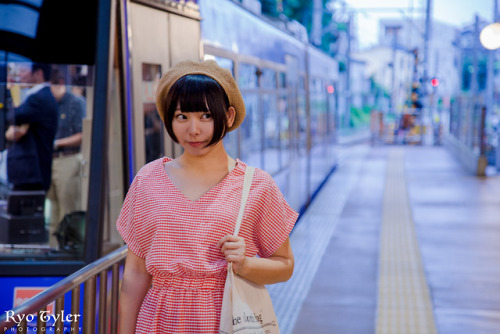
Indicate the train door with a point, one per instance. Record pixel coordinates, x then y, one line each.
292 84
159 39
297 181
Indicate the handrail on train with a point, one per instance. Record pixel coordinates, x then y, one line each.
88 276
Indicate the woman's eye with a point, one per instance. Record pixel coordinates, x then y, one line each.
180 117
207 116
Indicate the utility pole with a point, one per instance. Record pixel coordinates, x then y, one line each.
492 55
347 118
392 102
490 73
474 87
316 22
428 14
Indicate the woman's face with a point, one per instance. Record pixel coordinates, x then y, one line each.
193 130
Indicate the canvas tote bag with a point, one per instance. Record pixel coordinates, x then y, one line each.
246 306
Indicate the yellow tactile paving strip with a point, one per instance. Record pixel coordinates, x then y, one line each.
404 304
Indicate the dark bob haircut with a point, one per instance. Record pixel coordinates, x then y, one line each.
195 93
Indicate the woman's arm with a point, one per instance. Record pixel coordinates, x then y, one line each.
135 285
277 268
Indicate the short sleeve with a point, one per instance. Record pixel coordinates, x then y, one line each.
275 220
78 113
127 221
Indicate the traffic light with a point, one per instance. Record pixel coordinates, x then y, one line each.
435 82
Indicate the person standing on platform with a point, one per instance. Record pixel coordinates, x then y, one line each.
32 132
66 185
179 214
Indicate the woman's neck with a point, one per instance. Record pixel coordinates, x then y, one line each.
215 159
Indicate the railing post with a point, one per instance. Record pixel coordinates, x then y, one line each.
40 324
23 326
89 306
114 298
75 308
59 324
103 293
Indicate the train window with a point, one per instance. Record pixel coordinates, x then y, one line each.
271 134
226 63
284 129
251 144
281 80
318 111
153 133
247 76
301 130
331 114
42 202
231 138
268 78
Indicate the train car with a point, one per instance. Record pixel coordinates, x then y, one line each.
109 55
288 88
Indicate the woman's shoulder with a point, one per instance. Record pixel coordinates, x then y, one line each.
152 169
261 178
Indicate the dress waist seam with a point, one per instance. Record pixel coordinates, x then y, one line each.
187 283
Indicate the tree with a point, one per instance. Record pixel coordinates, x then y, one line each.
270 7
302 11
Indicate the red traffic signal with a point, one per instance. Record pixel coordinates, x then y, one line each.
435 82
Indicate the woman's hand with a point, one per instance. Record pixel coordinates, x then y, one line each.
277 268
233 248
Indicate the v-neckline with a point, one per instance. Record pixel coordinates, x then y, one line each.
217 185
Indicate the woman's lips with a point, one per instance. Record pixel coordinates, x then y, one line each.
195 143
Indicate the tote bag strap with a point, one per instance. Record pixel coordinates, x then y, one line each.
244 197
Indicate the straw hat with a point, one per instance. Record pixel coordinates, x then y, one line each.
211 69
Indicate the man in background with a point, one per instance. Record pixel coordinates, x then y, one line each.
32 132
65 189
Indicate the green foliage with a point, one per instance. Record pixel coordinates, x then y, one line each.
360 117
341 26
377 89
326 41
301 11
270 7
378 92
342 66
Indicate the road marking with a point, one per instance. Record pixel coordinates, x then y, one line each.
404 304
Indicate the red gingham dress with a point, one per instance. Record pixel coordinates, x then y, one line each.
178 239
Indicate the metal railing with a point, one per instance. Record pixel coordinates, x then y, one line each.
87 276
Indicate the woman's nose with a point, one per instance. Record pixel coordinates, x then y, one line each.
194 127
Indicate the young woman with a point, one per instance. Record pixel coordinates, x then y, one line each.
179 214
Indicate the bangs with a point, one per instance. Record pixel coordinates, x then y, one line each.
192 97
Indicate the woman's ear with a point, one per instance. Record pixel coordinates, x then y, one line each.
230 115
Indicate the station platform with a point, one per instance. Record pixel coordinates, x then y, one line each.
400 239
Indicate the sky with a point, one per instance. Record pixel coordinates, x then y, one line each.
454 12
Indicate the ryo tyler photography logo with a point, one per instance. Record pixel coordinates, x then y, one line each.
45 316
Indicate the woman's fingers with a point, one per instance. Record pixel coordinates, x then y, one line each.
226 238
233 248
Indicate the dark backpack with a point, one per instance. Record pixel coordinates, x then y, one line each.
70 233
